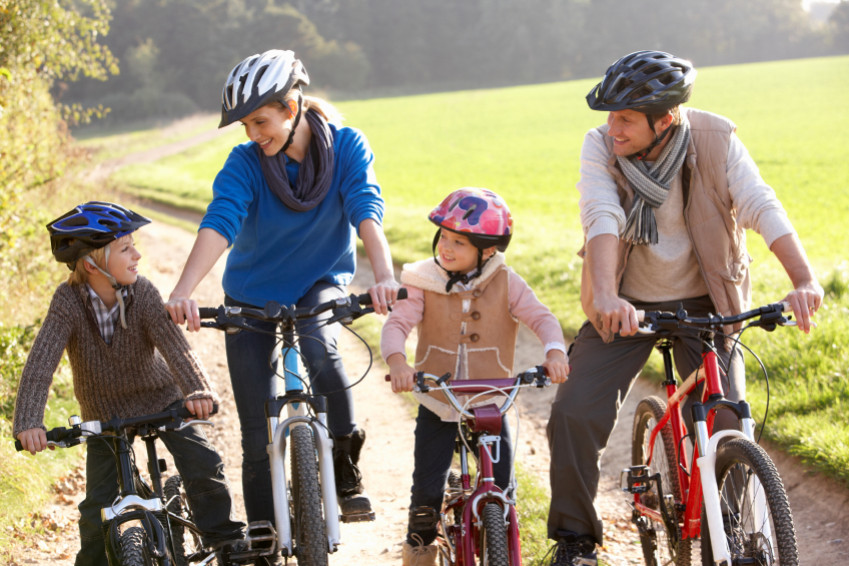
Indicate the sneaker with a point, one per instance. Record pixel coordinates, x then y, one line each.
418 554
574 550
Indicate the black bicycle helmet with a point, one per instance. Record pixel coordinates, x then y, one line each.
258 80
650 82
90 226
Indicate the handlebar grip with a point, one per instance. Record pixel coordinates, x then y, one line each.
365 298
208 312
55 435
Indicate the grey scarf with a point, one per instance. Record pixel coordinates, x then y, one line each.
651 185
315 174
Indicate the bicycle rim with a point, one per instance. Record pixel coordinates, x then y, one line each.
662 544
756 514
493 537
309 528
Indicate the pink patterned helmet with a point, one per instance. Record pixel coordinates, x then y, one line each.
479 214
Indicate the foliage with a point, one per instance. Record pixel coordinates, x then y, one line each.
380 47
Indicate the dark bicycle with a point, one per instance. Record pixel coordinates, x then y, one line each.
149 522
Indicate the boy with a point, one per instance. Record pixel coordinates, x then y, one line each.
127 359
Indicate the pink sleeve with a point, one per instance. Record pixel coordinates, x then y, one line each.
525 306
405 315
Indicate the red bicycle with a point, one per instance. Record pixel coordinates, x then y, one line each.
478 519
730 496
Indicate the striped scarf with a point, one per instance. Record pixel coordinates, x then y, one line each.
651 184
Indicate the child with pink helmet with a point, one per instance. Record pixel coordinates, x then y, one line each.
466 304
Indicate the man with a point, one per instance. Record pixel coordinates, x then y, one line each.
666 196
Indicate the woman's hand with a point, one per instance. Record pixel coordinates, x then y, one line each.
184 309
556 366
33 440
403 377
384 294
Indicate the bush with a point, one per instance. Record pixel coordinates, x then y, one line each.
146 103
15 343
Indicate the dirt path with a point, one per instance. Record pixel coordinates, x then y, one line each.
821 507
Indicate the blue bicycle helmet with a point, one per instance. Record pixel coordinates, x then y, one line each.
650 82
90 226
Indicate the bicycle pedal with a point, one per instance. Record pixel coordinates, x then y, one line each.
635 479
357 517
260 535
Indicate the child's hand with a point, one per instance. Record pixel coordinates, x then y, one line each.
33 440
403 377
556 365
201 408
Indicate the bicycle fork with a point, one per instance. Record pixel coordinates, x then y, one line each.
707 446
277 458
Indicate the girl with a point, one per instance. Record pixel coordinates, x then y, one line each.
467 305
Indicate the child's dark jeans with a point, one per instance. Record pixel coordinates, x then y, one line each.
203 477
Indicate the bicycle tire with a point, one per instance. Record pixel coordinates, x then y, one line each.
493 537
739 462
185 544
308 524
661 544
133 551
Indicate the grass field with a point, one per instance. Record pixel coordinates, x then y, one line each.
524 143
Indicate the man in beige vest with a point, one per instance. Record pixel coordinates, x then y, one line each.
666 196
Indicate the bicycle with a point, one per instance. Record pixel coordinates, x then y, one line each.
479 519
148 523
305 506
730 485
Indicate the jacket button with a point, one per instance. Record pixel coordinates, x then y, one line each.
476 315
474 337
477 293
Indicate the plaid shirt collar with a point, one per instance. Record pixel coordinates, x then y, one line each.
106 317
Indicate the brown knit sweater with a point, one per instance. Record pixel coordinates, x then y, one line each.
148 365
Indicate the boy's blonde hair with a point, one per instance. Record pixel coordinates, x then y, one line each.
79 275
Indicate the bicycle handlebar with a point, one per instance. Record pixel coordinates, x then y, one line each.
345 310
166 420
768 317
535 376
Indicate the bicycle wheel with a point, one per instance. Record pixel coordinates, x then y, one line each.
493 537
308 524
661 542
133 549
756 517
184 544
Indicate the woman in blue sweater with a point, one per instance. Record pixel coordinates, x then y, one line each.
289 203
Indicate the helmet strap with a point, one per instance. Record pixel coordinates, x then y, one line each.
119 295
297 120
456 276
641 155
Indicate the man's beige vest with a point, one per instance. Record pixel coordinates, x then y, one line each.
489 337
718 241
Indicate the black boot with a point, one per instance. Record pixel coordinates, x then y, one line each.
353 501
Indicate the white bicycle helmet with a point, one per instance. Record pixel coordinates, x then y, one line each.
258 80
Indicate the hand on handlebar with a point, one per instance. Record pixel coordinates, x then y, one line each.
556 366
33 440
615 315
805 300
201 408
184 309
383 295
402 376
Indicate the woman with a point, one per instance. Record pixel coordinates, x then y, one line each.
290 202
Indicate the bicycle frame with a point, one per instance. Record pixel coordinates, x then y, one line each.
486 424
698 479
482 425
